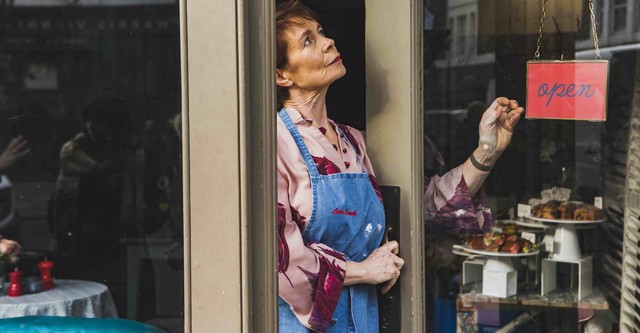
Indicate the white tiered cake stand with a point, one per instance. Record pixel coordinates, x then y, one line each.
499 276
566 249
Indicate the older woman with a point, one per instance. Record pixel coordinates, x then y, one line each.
330 213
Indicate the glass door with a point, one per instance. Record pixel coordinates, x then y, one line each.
551 172
90 129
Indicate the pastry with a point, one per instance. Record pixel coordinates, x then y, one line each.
566 210
477 242
510 229
500 243
586 213
510 244
496 241
548 210
525 245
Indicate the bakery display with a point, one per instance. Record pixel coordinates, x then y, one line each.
500 242
570 210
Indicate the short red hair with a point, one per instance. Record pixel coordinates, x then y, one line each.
288 14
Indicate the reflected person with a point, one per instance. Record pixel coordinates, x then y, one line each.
13 152
98 194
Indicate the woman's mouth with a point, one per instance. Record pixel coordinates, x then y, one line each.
336 60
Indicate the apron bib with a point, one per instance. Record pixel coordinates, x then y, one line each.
347 216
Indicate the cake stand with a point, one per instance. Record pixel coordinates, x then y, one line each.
566 249
499 275
565 239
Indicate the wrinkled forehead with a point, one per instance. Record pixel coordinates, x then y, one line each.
298 26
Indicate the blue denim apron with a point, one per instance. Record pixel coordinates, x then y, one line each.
355 235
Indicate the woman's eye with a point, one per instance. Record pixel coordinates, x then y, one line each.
308 41
321 32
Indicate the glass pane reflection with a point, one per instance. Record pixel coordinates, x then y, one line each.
474 52
93 87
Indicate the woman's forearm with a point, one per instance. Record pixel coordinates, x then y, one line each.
356 273
474 176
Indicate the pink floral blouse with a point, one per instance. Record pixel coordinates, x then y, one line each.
311 275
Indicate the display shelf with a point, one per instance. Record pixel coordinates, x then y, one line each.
471 295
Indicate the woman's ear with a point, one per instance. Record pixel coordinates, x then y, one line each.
282 80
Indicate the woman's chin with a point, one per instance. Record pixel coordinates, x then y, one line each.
339 74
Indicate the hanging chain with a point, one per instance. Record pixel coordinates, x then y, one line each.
536 55
594 31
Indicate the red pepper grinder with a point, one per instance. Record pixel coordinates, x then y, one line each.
15 288
45 267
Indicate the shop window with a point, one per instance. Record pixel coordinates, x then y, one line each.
472 34
588 158
92 89
460 34
619 15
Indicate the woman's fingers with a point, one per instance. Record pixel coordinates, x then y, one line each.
502 101
17 146
20 144
391 246
24 152
389 284
514 116
517 114
399 262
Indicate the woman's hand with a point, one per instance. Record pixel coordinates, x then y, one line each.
496 127
15 150
382 265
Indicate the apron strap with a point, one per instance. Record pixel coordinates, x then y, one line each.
308 160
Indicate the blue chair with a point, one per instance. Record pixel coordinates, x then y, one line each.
50 324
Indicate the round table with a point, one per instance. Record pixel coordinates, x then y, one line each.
69 298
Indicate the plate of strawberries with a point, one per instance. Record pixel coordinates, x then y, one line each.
500 244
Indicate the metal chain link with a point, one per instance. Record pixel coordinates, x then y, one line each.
536 55
594 31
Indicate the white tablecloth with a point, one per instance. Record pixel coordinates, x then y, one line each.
69 298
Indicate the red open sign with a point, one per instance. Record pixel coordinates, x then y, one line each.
575 90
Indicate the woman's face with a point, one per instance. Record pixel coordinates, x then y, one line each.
314 62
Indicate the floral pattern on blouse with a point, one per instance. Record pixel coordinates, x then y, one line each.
347 131
283 247
451 209
326 285
311 276
374 182
325 166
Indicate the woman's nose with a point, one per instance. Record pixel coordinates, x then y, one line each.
328 44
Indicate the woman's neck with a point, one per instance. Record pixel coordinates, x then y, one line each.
311 105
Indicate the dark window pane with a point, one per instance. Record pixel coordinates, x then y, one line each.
93 88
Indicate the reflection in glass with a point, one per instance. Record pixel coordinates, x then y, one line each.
619 18
92 88
585 157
